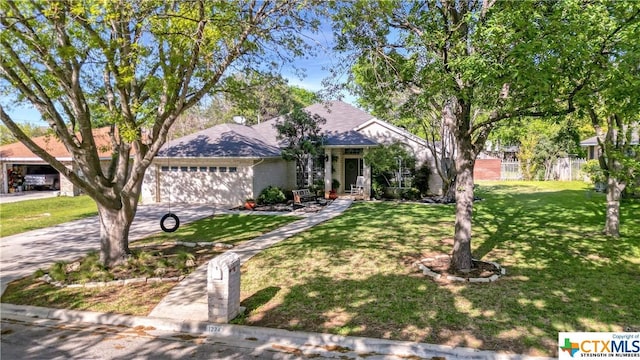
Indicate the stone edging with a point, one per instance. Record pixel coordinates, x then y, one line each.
192 244
427 271
46 278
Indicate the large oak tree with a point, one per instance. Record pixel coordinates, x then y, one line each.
135 66
483 61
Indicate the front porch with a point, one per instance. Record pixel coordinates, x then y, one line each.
345 164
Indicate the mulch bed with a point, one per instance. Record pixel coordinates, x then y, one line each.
440 263
480 269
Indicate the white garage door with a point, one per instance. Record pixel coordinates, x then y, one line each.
220 185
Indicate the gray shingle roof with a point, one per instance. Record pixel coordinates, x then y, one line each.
225 140
340 117
233 140
348 138
593 141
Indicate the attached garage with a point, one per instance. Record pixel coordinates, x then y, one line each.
213 181
39 176
209 182
223 165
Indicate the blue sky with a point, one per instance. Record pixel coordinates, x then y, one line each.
316 69
313 81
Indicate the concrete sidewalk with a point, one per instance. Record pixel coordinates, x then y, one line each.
188 299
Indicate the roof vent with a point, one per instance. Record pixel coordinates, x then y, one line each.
238 119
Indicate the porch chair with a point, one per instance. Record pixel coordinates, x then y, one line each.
357 189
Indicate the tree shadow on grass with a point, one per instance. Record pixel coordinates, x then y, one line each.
407 228
546 226
230 229
516 315
258 299
562 275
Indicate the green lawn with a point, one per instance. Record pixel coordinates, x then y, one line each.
352 275
139 299
28 215
229 229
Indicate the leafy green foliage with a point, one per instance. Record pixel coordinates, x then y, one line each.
471 64
385 162
271 195
300 131
335 184
6 137
134 66
421 178
594 171
58 271
411 194
377 188
256 97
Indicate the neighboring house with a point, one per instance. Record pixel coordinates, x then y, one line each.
16 160
496 150
593 149
229 163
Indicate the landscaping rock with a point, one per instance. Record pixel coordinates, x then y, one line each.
73 267
134 281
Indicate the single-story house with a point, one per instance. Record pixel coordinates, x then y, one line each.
593 149
229 163
16 160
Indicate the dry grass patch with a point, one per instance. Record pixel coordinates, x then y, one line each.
138 299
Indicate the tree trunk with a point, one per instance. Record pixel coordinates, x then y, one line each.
114 233
461 258
449 190
614 193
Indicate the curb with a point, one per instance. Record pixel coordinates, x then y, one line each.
359 345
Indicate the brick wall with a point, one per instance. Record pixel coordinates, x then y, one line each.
487 169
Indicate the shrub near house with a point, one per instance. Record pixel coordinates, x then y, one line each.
271 195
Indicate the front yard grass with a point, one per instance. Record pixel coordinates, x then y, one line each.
352 275
151 257
27 215
228 229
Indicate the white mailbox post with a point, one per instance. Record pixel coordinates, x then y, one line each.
223 287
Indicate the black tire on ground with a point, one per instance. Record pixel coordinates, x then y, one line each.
165 217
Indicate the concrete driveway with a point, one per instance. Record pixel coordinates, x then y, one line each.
22 254
27 195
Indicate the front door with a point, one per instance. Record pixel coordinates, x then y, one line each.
352 169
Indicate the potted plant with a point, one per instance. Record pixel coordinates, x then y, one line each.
250 204
335 185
